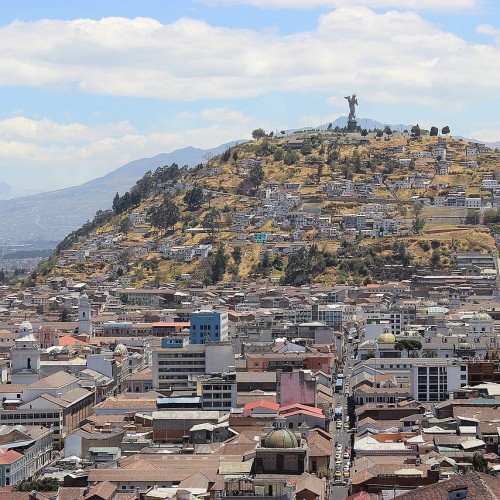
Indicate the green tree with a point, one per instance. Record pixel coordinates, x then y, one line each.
379 133
164 216
45 484
219 265
194 198
480 465
258 133
364 132
415 131
64 317
445 130
125 226
387 130
278 154
212 222
418 224
116 204
408 345
236 255
429 353
417 208
256 175
370 354
291 157
473 217
435 258
434 131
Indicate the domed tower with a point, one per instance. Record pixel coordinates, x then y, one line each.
280 451
25 356
84 315
481 323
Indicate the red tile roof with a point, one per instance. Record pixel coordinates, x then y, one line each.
262 404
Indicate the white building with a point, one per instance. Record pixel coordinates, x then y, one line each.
25 356
174 367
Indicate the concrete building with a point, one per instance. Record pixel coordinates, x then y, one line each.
208 326
174 367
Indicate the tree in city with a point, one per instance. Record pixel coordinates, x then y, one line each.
434 131
291 157
219 265
429 353
418 224
256 175
387 131
194 198
417 208
435 258
445 130
125 226
479 464
415 131
164 216
236 255
408 345
212 222
473 217
258 133
370 354
364 132
64 317
379 133
44 484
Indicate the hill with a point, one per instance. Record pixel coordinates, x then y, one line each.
310 207
51 216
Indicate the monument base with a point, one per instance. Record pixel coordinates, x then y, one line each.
352 126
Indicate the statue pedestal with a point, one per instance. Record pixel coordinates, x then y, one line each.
352 126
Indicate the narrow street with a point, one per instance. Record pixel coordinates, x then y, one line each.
339 486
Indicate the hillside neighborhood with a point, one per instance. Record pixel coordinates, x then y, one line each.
311 315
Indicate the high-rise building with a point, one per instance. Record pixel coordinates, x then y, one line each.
208 326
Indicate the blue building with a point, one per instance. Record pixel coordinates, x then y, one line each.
208 326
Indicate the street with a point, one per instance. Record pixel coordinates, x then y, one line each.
338 491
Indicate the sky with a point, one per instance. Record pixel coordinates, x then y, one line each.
87 86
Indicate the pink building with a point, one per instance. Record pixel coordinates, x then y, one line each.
296 387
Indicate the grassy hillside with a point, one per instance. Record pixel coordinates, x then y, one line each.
232 186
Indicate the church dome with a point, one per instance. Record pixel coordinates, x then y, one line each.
386 338
280 438
121 350
465 346
481 316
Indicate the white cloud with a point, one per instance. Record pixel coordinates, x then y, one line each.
337 102
485 135
446 5
45 130
487 29
407 56
224 115
54 155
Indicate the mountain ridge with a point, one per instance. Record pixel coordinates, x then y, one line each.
50 216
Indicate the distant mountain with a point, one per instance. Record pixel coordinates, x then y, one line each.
51 216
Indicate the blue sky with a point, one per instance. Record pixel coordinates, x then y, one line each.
88 86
